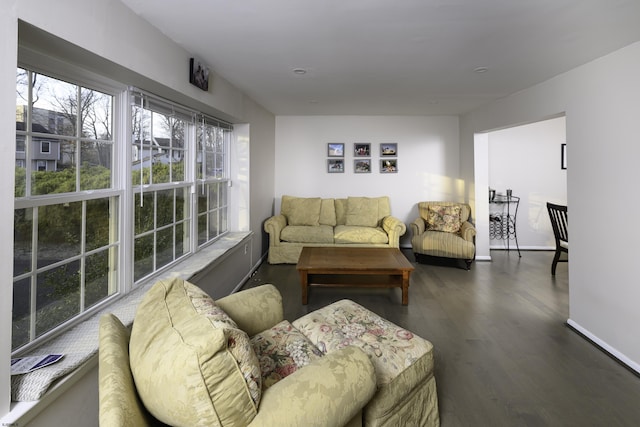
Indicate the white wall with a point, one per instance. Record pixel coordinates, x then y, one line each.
526 159
428 150
600 100
111 39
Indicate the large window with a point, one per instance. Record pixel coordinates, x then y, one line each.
66 207
91 213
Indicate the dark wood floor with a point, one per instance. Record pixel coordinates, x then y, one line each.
503 354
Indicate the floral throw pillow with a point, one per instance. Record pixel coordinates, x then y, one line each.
443 218
281 351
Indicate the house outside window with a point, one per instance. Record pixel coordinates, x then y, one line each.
66 207
82 200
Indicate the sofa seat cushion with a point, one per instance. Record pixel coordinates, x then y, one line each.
443 244
357 234
282 350
402 360
307 234
191 364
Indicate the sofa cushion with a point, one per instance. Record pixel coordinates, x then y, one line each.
191 364
355 234
443 218
301 210
307 234
328 212
362 211
282 350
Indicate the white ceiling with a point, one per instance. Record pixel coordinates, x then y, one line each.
384 57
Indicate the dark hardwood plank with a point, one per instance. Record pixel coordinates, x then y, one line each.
504 356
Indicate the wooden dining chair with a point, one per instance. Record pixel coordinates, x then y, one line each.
560 224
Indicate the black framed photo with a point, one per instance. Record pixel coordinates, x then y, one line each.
389 166
335 165
335 149
389 149
362 166
563 156
362 149
198 74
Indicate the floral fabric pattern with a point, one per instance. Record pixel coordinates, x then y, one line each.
443 218
281 351
391 349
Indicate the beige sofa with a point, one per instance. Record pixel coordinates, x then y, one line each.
192 361
314 221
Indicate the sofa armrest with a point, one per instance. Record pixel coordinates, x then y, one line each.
394 229
273 226
468 231
328 392
418 226
254 309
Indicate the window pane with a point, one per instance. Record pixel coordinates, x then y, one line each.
22 241
182 239
143 258
59 232
97 112
95 169
165 247
165 207
99 223
182 204
55 106
144 218
177 168
54 172
213 224
58 296
96 278
202 229
21 311
141 145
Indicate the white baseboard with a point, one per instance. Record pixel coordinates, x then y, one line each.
604 346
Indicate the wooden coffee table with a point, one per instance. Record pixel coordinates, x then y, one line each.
366 267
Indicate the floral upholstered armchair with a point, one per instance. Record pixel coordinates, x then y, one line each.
443 231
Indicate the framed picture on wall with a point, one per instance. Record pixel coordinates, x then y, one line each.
335 149
389 166
389 150
335 165
362 149
362 166
563 156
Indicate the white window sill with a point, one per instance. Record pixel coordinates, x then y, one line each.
21 413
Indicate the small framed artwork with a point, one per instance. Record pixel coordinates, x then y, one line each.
335 165
563 156
362 166
389 149
335 149
362 149
389 166
198 74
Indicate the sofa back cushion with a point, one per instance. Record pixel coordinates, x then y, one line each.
191 364
301 210
366 211
328 212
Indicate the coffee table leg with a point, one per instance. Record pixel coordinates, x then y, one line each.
405 287
305 287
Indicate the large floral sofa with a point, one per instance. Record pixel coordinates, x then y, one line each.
192 361
315 221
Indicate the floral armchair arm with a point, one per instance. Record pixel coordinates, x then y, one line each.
328 392
394 229
273 226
